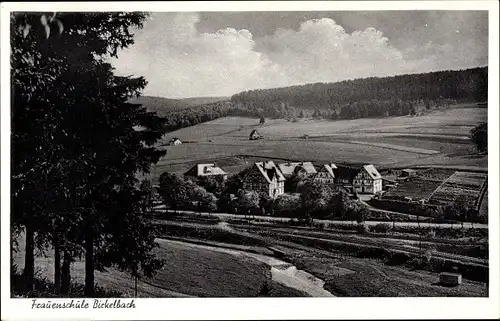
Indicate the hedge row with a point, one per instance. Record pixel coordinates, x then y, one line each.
469 271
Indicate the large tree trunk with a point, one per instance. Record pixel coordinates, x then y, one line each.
29 259
89 264
57 266
66 273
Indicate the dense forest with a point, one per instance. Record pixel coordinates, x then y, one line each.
163 106
370 97
191 116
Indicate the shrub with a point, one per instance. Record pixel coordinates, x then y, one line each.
430 234
320 225
382 228
397 258
362 228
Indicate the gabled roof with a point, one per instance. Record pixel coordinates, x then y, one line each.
328 168
287 168
269 170
174 139
308 167
346 172
254 132
372 171
205 170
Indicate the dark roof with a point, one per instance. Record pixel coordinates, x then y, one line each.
346 172
254 132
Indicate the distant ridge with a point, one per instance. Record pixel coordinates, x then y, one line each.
163 105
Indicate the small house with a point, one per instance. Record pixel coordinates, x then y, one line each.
287 169
206 170
255 135
368 180
264 177
175 141
305 169
325 174
408 172
302 169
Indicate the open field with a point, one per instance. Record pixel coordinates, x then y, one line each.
438 138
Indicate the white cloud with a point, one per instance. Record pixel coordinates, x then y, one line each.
178 61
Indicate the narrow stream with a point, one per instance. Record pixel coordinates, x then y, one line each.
281 272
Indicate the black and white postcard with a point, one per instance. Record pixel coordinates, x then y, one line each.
214 160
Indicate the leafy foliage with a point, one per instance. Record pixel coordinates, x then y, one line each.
370 97
479 136
73 130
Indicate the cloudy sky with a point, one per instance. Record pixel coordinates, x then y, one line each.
220 54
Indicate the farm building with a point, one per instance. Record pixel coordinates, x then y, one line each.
287 169
364 179
344 175
407 172
368 180
305 169
325 174
255 135
175 141
265 177
302 169
388 182
205 170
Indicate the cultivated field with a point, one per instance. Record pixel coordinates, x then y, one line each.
438 138
463 185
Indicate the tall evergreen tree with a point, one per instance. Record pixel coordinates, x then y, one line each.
73 128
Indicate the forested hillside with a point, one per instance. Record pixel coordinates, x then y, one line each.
163 106
370 97
397 95
191 116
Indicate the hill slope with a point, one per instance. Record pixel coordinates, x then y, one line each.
163 105
370 97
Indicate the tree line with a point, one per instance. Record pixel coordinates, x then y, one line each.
370 97
208 194
350 99
75 152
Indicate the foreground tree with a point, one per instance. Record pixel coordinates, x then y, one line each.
479 136
173 190
74 129
314 199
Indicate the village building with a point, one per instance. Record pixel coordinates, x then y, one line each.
264 177
305 170
365 179
287 169
407 172
255 135
301 169
326 175
175 141
206 170
368 180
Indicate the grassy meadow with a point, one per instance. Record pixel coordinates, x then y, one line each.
437 138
